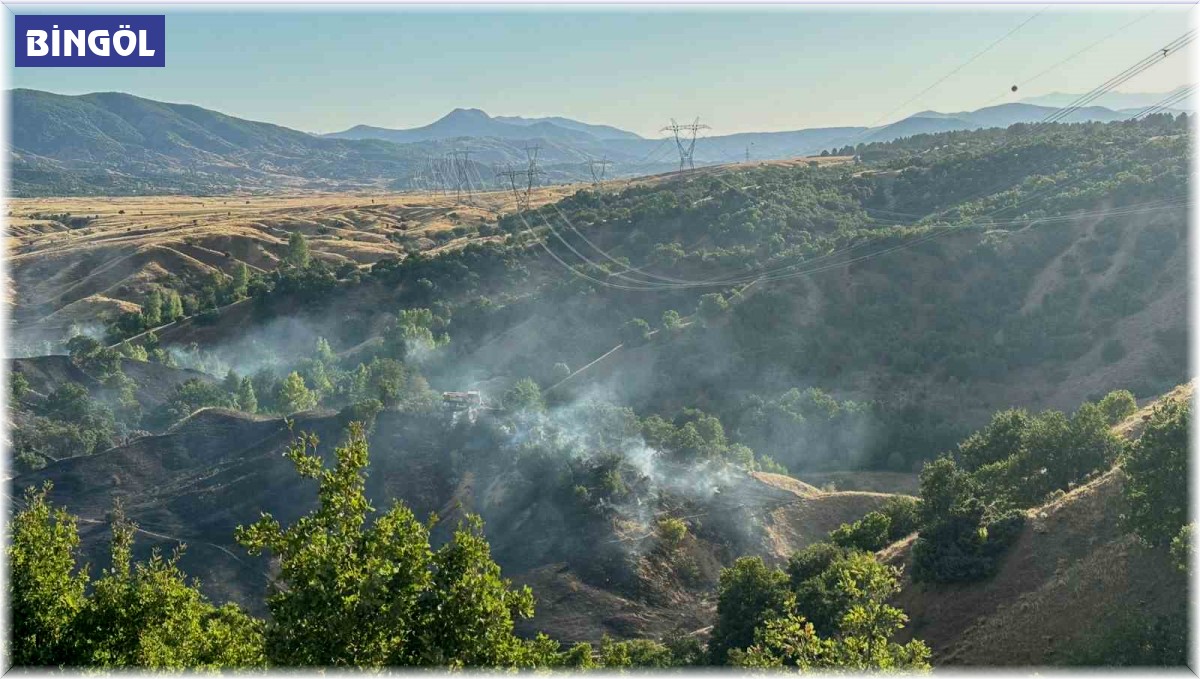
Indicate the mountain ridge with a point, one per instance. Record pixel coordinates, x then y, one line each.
121 144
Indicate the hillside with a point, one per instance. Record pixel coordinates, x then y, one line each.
113 143
154 382
84 274
218 469
637 384
1072 579
1053 296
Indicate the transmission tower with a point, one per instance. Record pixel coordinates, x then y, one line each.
685 140
435 175
598 169
460 162
521 183
531 154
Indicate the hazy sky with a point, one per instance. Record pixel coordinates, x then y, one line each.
738 69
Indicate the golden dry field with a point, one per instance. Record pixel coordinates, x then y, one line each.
75 261
65 273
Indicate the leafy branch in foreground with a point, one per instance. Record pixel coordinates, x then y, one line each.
360 588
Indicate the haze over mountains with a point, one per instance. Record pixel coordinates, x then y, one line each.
1113 100
116 143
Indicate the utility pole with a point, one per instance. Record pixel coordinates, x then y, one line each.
460 160
521 183
531 154
437 175
598 169
685 141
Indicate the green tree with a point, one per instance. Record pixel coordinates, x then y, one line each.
135 352
639 653
748 594
231 381
18 386
1157 468
189 396
863 642
173 304
961 539
634 332
324 353
246 400
711 307
297 254
1118 405
241 281
671 532
1181 548
413 333
902 516
870 533
146 615
850 579
672 321
89 355
152 308
525 396
361 589
143 615
45 589
1002 438
294 396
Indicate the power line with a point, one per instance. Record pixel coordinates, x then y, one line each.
872 127
1165 104
1157 56
776 274
1088 48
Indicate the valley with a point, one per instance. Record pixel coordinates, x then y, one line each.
693 412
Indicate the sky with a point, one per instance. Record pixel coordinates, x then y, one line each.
738 69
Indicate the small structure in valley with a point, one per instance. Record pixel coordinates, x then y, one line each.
456 404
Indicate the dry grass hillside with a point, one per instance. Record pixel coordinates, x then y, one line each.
1070 576
68 271
83 260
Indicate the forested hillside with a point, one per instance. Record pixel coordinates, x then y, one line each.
616 398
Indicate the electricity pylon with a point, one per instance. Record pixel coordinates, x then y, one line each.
521 183
598 169
461 172
685 141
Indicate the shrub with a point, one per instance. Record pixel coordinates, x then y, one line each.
1118 405
1157 465
671 532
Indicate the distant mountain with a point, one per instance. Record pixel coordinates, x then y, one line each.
1114 100
933 122
602 132
119 143
471 122
114 143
